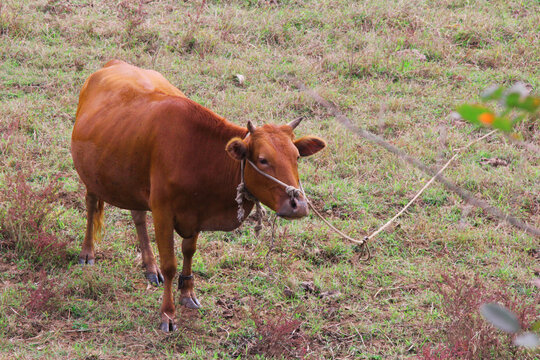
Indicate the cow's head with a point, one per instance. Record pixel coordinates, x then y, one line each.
275 151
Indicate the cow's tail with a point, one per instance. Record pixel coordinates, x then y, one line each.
97 224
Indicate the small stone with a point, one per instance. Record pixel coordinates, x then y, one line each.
239 79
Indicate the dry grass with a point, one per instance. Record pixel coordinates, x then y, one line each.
397 69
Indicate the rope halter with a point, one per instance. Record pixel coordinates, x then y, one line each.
243 193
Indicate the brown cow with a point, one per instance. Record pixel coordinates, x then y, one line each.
140 144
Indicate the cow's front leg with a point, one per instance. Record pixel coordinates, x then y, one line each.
185 280
163 223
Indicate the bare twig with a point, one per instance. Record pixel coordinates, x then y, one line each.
77 330
464 194
360 335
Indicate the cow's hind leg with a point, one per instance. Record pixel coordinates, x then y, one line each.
149 261
94 223
185 280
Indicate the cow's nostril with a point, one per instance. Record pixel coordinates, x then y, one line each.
293 203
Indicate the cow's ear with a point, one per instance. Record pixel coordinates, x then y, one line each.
237 149
309 145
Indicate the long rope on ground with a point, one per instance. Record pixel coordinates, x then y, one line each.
464 194
366 253
456 155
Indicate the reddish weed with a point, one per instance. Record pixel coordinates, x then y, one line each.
468 335
23 213
41 299
132 13
278 336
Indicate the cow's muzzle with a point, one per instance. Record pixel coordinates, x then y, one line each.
293 208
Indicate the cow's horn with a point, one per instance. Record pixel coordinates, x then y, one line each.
293 124
250 127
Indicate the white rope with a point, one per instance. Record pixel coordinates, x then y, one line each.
363 243
458 153
290 190
243 193
293 193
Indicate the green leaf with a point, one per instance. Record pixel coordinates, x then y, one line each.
500 317
481 115
472 113
527 339
535 325
512 100
503 123
527 103
494 92
530 104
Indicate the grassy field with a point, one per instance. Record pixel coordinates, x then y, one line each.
397 69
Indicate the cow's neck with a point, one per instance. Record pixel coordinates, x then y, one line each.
223 176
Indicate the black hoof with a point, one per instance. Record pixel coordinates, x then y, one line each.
86 261
154 279
190 302
168 326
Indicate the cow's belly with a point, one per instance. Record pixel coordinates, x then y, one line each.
119 180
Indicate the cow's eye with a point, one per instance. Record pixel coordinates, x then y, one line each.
263 161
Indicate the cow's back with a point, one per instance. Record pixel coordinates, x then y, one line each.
115 131
122 81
